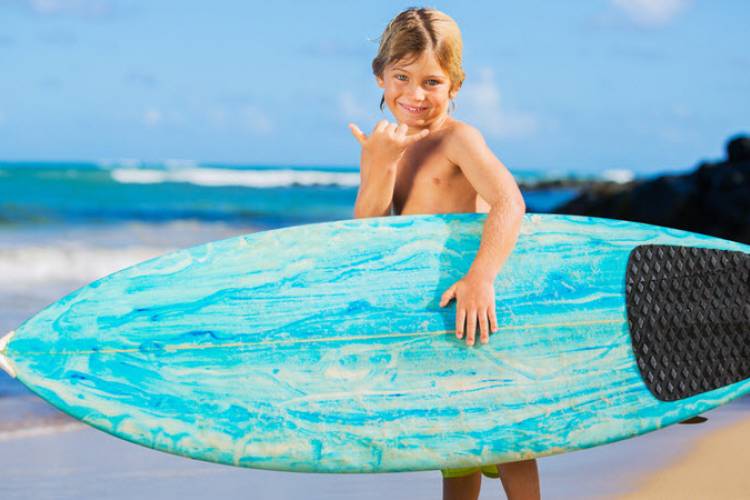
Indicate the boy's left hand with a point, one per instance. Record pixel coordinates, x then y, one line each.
475 302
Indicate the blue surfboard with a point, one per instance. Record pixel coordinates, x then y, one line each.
323 347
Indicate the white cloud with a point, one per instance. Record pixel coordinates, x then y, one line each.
152 117
479 102
651 13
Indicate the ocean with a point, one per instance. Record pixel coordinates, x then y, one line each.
63 225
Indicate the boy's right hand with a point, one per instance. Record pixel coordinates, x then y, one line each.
387 142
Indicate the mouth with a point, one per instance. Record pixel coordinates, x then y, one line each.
413 109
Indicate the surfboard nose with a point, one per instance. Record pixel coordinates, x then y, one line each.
5 363
689 318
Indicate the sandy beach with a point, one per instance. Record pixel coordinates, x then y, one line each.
68 460
714 467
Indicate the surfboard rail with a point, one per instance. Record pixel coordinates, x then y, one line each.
5 363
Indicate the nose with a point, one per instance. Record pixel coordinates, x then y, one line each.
416 92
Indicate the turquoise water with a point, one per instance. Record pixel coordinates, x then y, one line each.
87 193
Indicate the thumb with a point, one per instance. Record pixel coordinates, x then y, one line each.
448 295
358 134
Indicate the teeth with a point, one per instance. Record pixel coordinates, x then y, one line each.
412 109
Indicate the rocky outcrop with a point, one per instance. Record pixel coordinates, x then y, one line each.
713 199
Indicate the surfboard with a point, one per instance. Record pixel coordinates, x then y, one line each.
322 347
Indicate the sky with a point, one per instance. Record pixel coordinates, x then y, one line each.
590 85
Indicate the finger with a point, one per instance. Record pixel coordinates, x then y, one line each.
401 130
493 319
471 326
380 126
391 128
447 296
358 134
460 319
484 328
418 136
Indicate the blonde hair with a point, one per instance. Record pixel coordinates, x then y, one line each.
415 30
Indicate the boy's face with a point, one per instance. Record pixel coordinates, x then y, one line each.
417 92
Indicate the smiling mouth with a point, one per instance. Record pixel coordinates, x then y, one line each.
412 109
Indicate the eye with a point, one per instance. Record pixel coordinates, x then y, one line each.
398 77
433 82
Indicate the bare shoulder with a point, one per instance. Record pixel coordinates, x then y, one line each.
462 131
462 138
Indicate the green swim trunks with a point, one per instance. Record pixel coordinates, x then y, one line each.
487 470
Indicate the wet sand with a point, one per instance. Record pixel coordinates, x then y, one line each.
72 461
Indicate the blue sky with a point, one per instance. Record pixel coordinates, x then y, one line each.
647 85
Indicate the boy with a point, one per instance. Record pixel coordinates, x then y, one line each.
430 163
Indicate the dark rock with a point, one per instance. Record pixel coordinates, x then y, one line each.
713 199
738 149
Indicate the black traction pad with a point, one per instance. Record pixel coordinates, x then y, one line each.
689 317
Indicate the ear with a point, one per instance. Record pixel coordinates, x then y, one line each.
380 81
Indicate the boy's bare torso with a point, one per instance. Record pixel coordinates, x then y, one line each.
428 182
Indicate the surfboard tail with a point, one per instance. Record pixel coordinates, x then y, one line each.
5 363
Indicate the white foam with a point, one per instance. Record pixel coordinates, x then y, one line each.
29 265
231 177
138 176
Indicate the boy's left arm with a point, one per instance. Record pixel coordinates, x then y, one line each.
475 292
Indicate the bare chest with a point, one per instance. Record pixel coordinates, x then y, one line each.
427 182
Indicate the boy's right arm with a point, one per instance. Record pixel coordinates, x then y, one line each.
375 195
381 152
